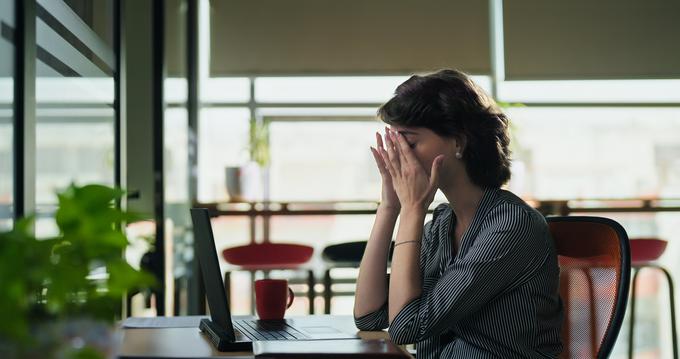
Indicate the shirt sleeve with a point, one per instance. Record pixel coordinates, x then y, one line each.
373 321
502 256
379 319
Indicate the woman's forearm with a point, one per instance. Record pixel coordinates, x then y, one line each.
371 291
405 277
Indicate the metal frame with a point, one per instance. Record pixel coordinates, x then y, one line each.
18 109
193 88
196 287
259 105
624 285
497 45
631 324
118 96
24 108
158 77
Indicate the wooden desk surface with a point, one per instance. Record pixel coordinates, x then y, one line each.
191 343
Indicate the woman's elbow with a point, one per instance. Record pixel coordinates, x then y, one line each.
371 322
364 326
400 335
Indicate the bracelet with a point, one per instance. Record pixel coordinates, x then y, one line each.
404 242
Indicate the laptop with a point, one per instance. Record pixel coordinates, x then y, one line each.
237 335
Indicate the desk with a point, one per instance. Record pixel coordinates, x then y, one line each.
191 343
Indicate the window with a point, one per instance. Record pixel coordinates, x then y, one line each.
314 160
223 142
7 51
345 89
591 91
604 152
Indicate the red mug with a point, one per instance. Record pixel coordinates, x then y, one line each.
272 298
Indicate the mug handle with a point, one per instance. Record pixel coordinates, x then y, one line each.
291 297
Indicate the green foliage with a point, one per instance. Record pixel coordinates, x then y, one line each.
259 142
515 146
23 267
503 104
85 353
50 278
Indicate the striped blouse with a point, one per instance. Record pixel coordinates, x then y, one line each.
497 297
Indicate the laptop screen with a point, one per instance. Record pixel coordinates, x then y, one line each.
210 268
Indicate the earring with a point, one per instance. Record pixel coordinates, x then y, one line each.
458 155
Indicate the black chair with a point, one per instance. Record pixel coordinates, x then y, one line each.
343 255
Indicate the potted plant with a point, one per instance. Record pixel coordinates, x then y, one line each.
51 304
250 181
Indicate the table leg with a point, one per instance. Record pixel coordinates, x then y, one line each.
327 292
310 290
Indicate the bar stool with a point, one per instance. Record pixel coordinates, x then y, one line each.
644 252
269 256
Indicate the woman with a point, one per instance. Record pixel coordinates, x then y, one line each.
480 280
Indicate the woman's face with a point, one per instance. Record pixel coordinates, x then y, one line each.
427 145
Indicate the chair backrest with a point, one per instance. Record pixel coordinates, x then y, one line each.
594 258
348 254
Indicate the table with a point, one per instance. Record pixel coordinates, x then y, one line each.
191 343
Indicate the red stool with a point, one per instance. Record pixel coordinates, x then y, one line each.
268 256
643 252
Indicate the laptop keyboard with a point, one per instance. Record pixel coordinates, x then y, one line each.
267 330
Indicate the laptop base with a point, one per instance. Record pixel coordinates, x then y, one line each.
221 338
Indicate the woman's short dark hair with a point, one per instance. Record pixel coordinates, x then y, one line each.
451 105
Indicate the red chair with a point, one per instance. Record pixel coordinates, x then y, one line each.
644 252
594 259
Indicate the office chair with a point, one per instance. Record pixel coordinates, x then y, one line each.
594 259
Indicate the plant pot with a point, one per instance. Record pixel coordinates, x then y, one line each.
247 183
233 178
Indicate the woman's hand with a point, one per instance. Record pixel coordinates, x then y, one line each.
389 197
414 188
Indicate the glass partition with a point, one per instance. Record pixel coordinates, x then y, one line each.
75 63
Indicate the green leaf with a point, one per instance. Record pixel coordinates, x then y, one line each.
122 277
49 277
85 353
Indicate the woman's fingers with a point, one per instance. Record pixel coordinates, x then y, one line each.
379 162
382 153
392 152
388 163
378 139
404 149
